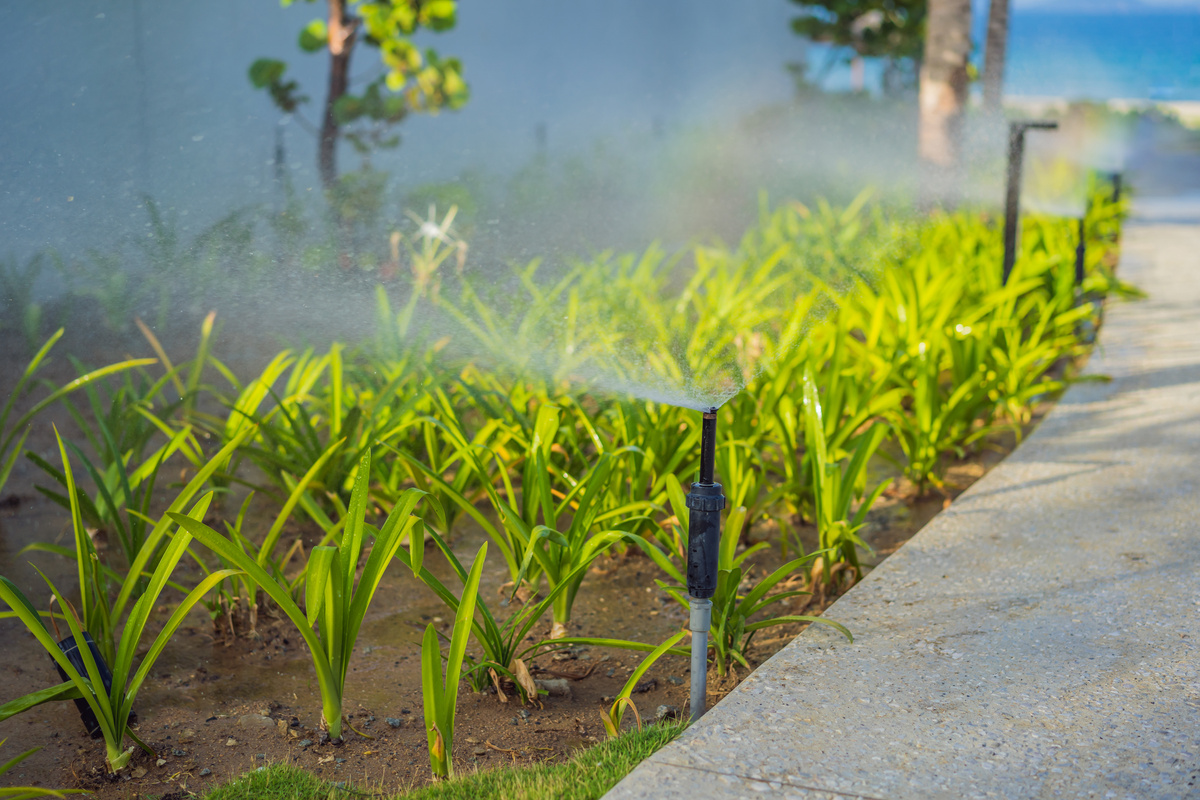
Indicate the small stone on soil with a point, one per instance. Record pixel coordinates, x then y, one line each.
140 772
178 753
231 742
555 687
646 685
480 751
204 773
306 743
665 712
394 722
255 721
674 681
162 762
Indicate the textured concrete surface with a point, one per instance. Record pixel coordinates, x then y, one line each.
1039 638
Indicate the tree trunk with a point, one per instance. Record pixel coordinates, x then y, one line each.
342 31
993 65
943 92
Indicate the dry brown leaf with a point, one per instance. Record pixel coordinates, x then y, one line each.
524 679
496 682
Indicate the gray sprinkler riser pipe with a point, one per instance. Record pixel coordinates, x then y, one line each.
704 502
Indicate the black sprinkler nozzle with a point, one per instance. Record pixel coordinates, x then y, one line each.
705 502
70 649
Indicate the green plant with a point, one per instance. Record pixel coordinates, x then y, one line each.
334 606
834 489
507 646
439 689
9 452
564 557
613 715
110 701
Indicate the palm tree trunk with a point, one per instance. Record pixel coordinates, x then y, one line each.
943 92
993 65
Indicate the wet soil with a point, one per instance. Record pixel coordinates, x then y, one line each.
217 708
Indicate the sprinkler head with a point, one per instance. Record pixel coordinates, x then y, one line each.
705 502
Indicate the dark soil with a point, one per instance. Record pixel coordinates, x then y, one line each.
217 708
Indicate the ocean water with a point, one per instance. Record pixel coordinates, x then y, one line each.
1153 55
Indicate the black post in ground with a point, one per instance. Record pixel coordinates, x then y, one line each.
1081 251
1012 197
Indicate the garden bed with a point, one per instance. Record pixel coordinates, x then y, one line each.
260 695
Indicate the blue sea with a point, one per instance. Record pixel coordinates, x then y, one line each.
1148 54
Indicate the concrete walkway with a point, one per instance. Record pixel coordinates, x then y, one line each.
1039 638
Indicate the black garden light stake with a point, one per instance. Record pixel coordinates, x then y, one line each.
704 502
1012 198
1081 251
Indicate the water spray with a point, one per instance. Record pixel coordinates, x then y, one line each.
705 502
1012 197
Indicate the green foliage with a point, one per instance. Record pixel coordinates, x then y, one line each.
612 716
440 690
110 704
334 605
834 488
10 444
892 29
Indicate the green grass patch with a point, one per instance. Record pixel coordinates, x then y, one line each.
587 775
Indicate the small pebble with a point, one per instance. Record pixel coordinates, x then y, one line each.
612 671
162 762
523 713
665 712
516 720
306 743
178 753
261 757
204 773
231 742
674 681
341 761
394 722
480 751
